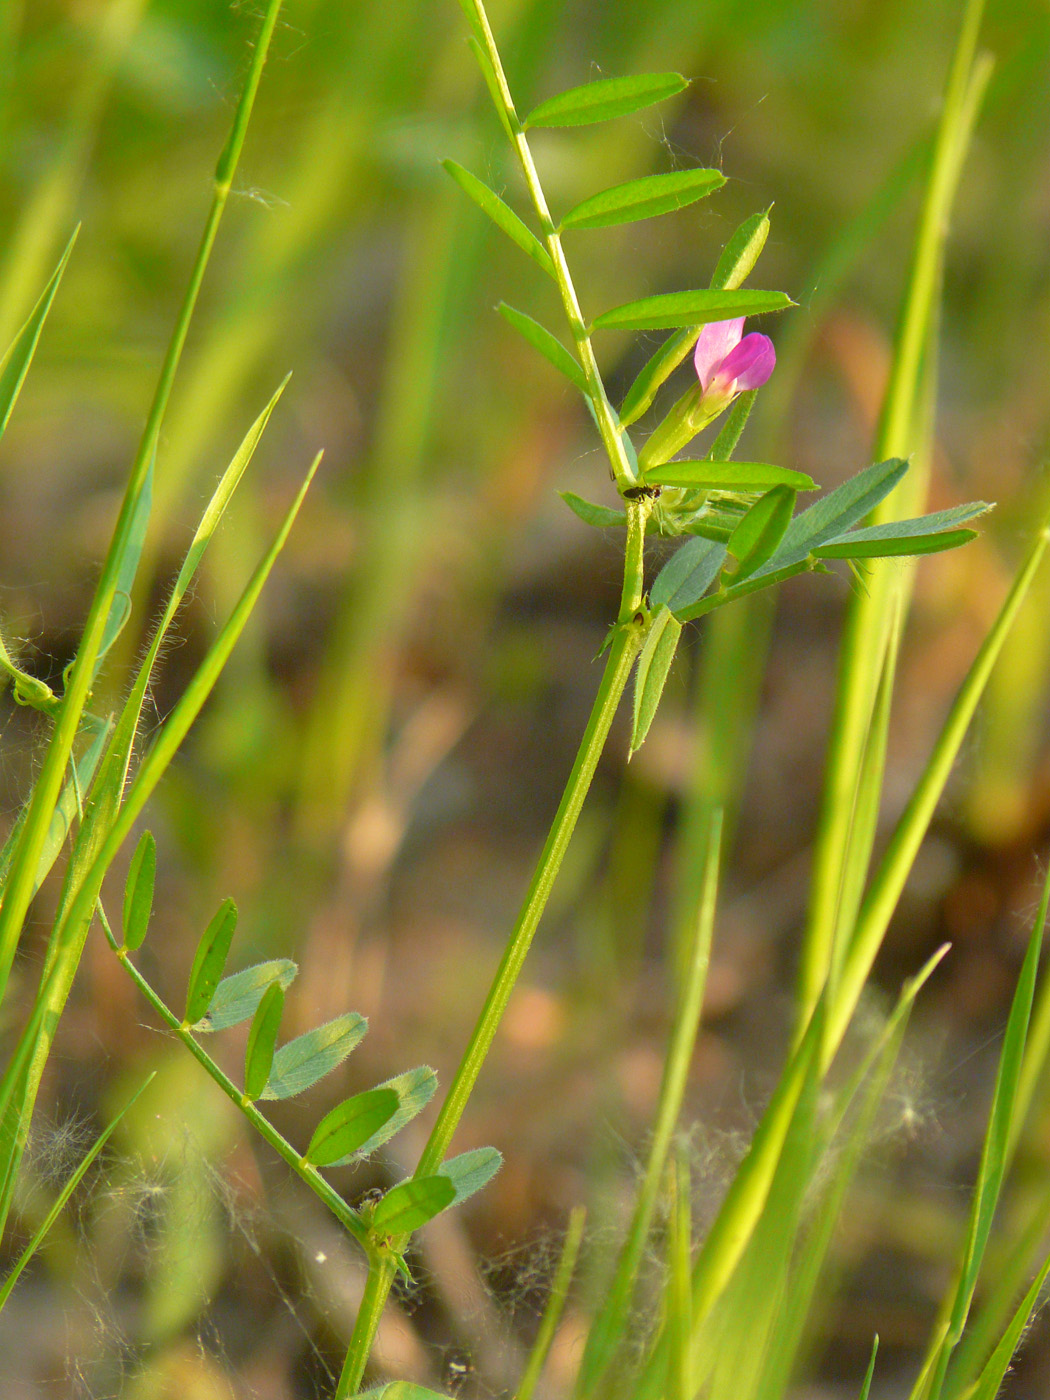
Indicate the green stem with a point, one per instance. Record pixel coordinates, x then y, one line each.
21 881
626 643
633 591
381 1271
605 415
622 653
345 1214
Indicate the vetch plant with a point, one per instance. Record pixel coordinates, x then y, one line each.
734 1308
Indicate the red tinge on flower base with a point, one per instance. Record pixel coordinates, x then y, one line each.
728 364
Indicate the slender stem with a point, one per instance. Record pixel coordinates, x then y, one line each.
622 653
605 415
626 643
21 881
633 591
345 1214
381 1270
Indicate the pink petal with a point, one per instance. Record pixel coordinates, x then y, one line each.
715 342
748 364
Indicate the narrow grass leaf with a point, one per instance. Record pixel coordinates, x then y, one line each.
66 810
412 1203
605 99
643 199
305 1060
885 888
237 996
673 309
470 1171
128 566
262 1040
688 574
708 475
220 499
745 1200
654 664
741 252
756 538
865 1389
342 1132
209 961
413 1090
501 215
540 338
995 1369
19 356
593 514
610 1323
62 1199
679 1305
995 1153
138 892
554 1307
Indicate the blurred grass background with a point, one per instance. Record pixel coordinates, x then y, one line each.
376 773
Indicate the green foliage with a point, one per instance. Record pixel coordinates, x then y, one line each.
138 892
706 475
755 539
605 99
209 961
343 1132
19 355
672 309
470 1172
654 665
304 1061
236 997
687 575
540 338
412 1203
501 215
593 514
262 1040
643 199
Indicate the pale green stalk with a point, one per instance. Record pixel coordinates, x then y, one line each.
19 888
888 883
605 415
622 654
555 1306
863 654
624 648
608 1328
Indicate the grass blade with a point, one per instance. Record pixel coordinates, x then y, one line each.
19 356
62 1199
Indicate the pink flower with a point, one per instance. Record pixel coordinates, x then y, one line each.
727 364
